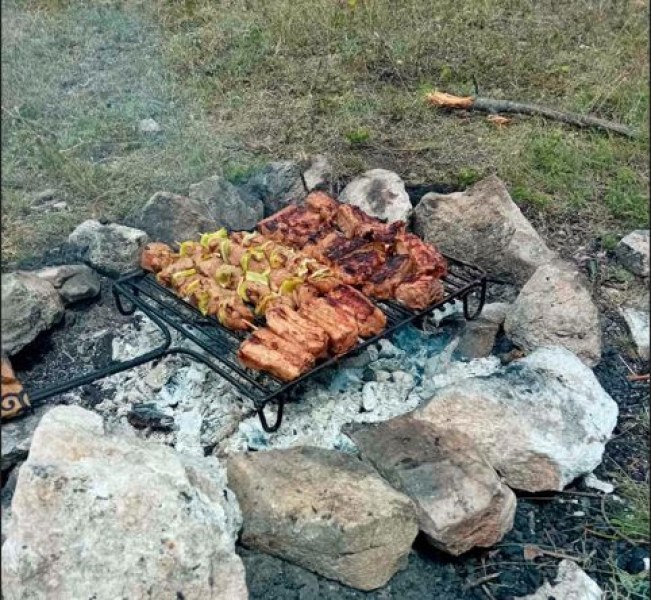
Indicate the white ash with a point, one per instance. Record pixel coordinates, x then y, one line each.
386 379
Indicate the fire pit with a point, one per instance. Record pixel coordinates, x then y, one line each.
140 290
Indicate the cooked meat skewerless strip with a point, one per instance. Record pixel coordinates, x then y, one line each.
383 282
425 257
338 324
254 354
369 318
265 351
288 324
419 291
359 267
350 218
293 225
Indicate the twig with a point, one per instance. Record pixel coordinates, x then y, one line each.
638 377
617 531
492 105
486 591
481 581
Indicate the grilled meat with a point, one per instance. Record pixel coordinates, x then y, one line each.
381 232
384 281
305 294
208 267
350 218
369 318
156 256
338 324
178 265
288 324
293 226
359 267
266 351
425 257
419 291
323 204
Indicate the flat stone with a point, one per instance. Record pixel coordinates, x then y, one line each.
99 515
73 282
459 498
325 511
555 308
379 193
637 322
633 252
483 226
112 249
478 337
149 126
541 421
229 206
572 583
30 306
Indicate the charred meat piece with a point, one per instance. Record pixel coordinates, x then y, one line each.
384 281
289 325
338 324
359 267
323 204
419 291
350 218
369 318
325 281
265 351
304 294
156 256
425 257
381 232
293 225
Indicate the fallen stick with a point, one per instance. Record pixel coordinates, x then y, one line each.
491 105
634 377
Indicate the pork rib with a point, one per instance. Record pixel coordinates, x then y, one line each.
369 318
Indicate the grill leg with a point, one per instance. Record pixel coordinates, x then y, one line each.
482 299
279 417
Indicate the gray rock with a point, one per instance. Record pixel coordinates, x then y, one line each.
459 499
17 437
277 185
148 126
325 511
111 249
379 193
46 196
170 218
572 583
633 252
73 282
30 306
483 226
319 174
638 325
104 516
228 206
541 421
555 308
150 415
478 336
6 496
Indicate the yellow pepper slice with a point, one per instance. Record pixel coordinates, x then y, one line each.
321 274
225 248
289 285
257 277
187 248
224 274
202 302
262 306
183 274
208 238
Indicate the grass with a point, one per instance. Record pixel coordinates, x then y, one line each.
237 82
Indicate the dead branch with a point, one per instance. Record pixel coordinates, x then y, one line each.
634 377
493 106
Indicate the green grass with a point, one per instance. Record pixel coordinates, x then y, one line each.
237 82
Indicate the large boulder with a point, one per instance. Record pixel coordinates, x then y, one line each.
170 218
30 305
478 336
325 511
97 515
229 206
459 498
379 193
17 437
483 226
633 252
112 249
541 421
276 185
73 282
555 308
